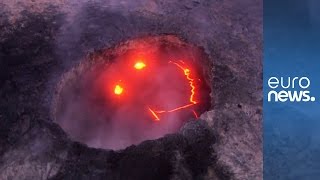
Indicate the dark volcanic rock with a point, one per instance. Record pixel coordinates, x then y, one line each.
40 40
178 156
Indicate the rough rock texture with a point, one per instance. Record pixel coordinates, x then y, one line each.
39 40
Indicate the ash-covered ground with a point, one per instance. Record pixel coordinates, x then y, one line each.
41 40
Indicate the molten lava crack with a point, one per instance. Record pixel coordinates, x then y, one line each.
187 73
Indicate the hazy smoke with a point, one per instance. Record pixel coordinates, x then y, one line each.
88 110
91 113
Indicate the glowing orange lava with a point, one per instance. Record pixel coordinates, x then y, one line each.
195 114
118 90
139 65
191 99
187 74
154 114
181 107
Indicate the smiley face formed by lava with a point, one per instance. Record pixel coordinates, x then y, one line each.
157 89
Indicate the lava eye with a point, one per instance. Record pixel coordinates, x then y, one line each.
139 65
118 90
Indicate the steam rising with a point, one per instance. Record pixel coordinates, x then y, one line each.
90 112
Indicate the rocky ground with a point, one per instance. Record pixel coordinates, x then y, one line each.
40 40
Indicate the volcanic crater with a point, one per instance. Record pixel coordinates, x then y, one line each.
140 89
72 71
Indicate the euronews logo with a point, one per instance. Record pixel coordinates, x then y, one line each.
289 89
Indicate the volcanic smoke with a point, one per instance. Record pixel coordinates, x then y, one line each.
147 91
